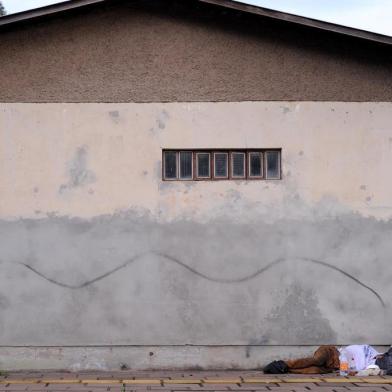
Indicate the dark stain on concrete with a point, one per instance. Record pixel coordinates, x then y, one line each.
216 279
300 317
162 118
255 342
285 109
78 171
160 122
362 187
115 116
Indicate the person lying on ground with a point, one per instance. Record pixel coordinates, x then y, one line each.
326 360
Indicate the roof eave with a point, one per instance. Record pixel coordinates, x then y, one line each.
45 11
305 21
301 20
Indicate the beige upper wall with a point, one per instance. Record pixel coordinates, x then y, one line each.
90 159
146 52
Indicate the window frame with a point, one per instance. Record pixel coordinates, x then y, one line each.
211 161
164 165
196 176
245 154
261 153
215 177
191 178
279 152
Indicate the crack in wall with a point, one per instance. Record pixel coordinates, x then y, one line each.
176 261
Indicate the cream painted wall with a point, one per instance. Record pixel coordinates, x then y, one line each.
336 151
96 250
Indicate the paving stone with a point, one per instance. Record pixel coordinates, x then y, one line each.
300 389
214 387
299 383
326 389
188 381
369 389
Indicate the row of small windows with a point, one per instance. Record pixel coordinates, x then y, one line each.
221 165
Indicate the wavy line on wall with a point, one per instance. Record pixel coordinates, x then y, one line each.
178 262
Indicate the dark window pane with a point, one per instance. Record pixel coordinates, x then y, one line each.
238 164
203 165
273 169
170 165
255 164
220 164
186 165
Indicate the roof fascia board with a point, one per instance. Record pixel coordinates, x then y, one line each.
302 20
72 4
44 11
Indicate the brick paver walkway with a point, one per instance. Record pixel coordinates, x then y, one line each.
245 381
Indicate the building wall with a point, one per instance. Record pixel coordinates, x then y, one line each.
156 51
102 262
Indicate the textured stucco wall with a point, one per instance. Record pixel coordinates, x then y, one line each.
154 51
95 250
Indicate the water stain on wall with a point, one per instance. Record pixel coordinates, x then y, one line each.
78 172
115 116
160 122
299 316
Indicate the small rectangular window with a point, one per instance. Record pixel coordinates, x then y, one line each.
186 163
170 165
255 164
238 164
272 165
203 163
221 165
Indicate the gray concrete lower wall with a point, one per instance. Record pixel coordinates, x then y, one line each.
128 280
148 357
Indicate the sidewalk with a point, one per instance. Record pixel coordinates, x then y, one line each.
176 381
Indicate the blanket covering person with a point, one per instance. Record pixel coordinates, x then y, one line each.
326 360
